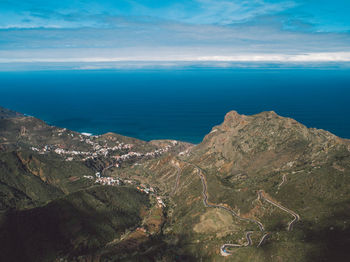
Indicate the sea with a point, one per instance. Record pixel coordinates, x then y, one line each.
181 104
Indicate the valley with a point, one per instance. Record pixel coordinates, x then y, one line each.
257 188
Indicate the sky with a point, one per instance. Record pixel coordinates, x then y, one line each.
89 31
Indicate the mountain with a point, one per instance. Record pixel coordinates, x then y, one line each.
257 188
6 113
267 169
70 226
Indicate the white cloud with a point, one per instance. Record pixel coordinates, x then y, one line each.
308 57
227 12
129 39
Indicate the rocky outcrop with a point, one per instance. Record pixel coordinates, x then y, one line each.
251 142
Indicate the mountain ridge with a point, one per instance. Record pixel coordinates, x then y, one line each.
263 168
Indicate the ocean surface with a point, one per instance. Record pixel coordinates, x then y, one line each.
177 104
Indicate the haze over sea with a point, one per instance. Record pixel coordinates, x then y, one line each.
177 104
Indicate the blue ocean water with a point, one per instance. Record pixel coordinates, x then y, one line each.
177 104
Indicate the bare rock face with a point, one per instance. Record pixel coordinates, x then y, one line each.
251 142
240 164
234 120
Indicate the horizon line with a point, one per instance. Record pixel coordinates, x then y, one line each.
317 57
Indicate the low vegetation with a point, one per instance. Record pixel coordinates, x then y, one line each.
52 209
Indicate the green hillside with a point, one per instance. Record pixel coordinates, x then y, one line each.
76 225
258 188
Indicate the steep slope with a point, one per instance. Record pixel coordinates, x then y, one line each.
265 169
258 188
76 225
29 179
39 162
266 139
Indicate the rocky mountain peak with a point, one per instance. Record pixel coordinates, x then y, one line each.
265 138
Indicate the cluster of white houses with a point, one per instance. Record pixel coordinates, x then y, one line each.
145 189
97 150
111 181
108 181
150 190
184 153
101 150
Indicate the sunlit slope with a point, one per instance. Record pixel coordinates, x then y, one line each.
300 171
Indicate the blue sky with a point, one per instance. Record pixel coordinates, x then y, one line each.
166 30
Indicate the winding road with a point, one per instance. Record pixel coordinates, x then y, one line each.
207 204
262 240
178 173
224 247
295 215
284 179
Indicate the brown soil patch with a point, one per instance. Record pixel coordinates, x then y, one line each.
255 212
73 178
215 221
337 167
226 167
